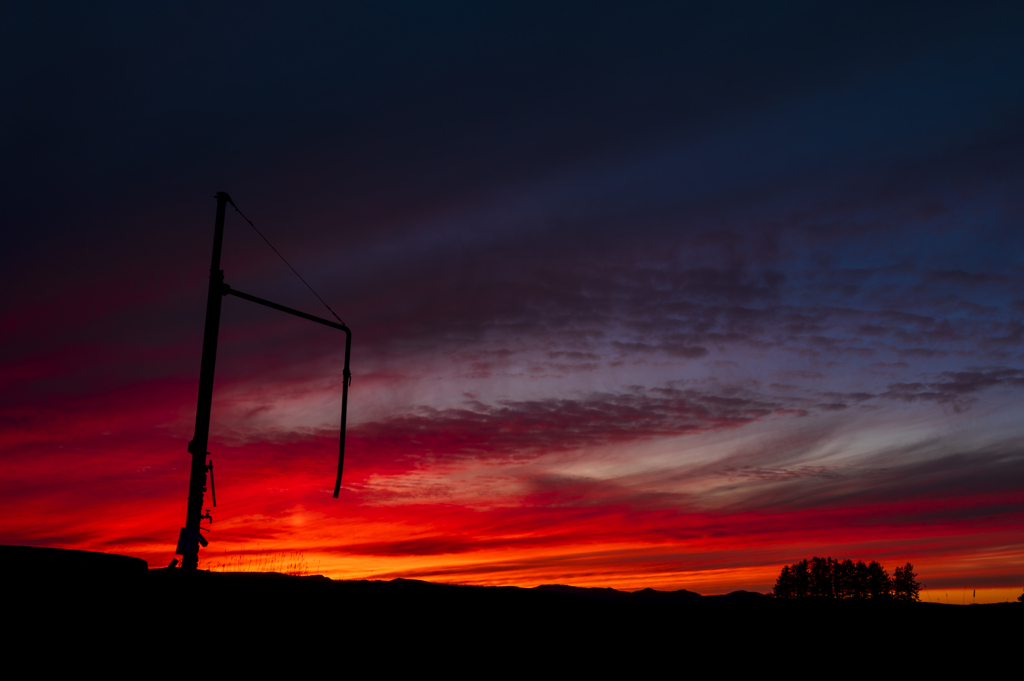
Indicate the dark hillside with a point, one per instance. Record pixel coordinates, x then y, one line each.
251 618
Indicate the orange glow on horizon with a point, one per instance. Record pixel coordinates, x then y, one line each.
462 519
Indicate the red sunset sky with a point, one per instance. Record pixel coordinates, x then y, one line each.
640 296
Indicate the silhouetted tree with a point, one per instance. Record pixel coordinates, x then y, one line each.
819 583
904 584
784 584
842 579
800 573
859 582
879 583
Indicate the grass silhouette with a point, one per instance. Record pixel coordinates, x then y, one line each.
292 563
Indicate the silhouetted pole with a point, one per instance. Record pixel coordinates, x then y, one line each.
189 538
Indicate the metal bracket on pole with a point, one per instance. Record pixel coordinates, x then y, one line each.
213 488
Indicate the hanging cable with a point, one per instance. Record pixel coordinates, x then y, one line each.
286 262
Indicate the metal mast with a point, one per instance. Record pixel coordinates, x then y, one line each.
189 538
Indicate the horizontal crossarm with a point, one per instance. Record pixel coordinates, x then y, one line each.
228 291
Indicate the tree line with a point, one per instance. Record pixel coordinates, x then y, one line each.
830 578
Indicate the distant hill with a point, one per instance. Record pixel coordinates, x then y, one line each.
649 595
44 560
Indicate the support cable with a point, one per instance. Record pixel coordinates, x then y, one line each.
286 262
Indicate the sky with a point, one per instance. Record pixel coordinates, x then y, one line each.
642 294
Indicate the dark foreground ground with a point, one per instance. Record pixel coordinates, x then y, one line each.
236 621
